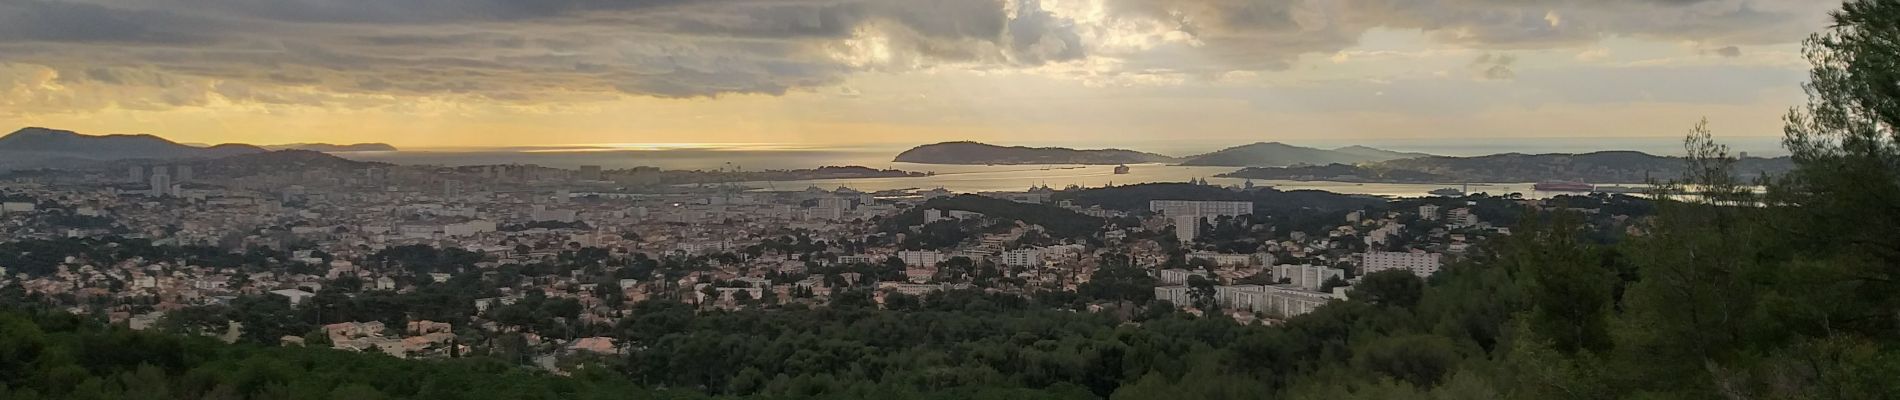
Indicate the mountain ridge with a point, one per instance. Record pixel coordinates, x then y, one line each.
36 147
975 153
1277 154
1599 167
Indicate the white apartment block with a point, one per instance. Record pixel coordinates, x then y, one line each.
1207 209
922 258
1309 277
1023 258
1275 301
1187 228
1174 294
1285 303
1221 259
1420 263
1176 276
1428 212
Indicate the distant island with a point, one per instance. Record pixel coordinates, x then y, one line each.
334 148
1275 154
973 153
1618 167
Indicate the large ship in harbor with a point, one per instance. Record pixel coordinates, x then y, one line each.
1121 169
1563 186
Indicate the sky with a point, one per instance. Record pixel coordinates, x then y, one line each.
1085 73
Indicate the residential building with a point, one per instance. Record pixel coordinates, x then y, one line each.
1310 277
1023 258
1206 209
1420 263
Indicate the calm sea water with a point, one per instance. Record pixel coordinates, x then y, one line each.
979 178
1017 178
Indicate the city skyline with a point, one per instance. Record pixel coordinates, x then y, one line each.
422 73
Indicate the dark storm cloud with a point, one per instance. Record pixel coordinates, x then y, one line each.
536 49
35 20
665 48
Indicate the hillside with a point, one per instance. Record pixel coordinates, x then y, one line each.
43 142
1060 222
1337 173
1597 167
973 153
1275 154
1136 197
1374 153
280 161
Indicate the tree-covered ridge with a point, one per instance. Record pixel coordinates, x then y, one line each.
973 153
58 356
1266 200
1788 292
1059 222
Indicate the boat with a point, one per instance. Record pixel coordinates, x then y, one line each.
1562 186
1121 170
1447 192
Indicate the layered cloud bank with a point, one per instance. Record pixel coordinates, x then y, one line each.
147 54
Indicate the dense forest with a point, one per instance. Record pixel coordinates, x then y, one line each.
1788 292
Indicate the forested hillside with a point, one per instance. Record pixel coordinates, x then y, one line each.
1786 291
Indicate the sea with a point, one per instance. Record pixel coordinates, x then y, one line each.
985 178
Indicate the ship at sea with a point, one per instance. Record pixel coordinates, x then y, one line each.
1121 170
1562 186
1447 192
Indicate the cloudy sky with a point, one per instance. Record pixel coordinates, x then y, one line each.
526 72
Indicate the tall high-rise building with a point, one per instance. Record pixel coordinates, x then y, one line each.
1187 228
137 173
590 173
182 173
161 184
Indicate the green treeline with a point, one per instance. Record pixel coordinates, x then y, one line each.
1787 292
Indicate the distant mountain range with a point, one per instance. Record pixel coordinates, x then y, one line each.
36 147
973 153
1275 154
54 142
1596 167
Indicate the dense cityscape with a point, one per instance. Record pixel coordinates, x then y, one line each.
483 252
403 199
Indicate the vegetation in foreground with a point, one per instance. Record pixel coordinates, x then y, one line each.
1788 294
